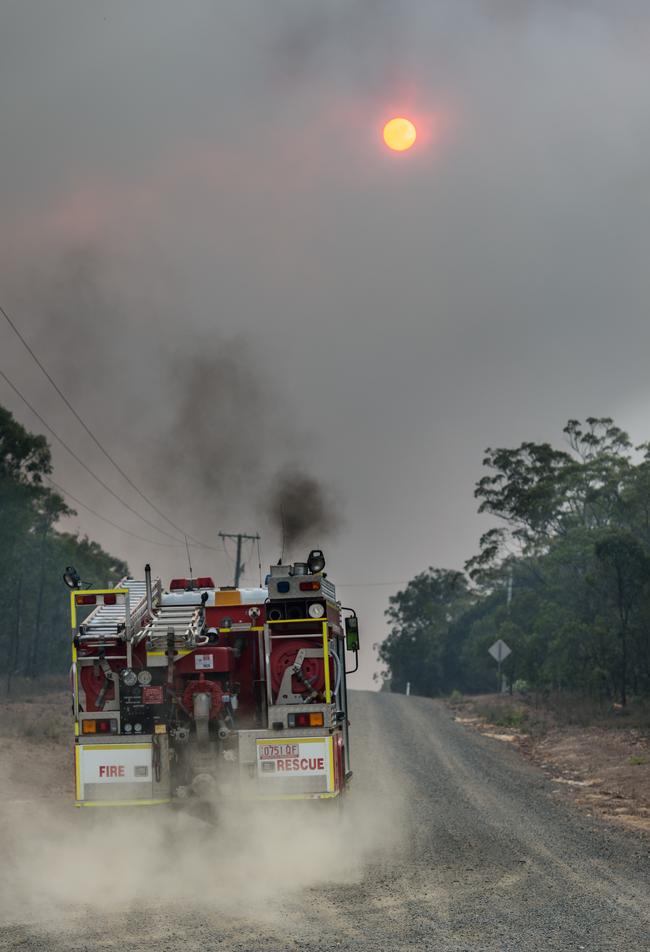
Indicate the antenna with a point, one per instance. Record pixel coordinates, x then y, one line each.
189 557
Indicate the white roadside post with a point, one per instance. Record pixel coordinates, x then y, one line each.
408 688
499 651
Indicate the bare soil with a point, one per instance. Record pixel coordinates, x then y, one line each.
603 767
36 749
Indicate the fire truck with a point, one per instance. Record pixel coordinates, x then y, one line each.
201 694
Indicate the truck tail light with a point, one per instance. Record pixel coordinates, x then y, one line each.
310 586
316 719
110 599
103 726
298 720
85 599
107 727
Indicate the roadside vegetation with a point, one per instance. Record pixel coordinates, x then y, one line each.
563 579
35 634
537 714
595 753
41 719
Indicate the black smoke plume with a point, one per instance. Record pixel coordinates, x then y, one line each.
302 508
193 415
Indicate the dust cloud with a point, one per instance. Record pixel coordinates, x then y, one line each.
61 863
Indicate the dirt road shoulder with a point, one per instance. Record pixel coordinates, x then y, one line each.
599 760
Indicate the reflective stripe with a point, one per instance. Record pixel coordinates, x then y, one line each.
240 631
326 665
299 740
100 591
294 796
161 654
294 621
75 691
120 803
115 746
77 774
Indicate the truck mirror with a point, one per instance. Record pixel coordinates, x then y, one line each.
352 633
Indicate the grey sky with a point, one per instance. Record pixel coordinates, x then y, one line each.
208 245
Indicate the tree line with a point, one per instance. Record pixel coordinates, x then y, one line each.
563 577
35 621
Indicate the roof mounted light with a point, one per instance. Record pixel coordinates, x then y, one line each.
71 577
316 561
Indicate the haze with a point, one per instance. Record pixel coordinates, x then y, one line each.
209 247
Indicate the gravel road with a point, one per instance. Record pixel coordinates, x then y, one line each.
450 842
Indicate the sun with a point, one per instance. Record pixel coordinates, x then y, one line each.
399 134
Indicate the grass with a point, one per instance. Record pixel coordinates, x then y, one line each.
574 711
538 713
46 720
637 761
503 716
33 689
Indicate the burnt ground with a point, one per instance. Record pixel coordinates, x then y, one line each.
450 840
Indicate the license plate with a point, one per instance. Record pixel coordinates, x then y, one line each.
277 751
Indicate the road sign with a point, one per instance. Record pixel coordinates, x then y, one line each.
500 650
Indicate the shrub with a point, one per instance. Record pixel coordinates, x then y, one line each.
503 716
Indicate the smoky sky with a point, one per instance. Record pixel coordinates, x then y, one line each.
208 246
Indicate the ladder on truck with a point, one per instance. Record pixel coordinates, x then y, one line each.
130 618
180 623
120 618
125 616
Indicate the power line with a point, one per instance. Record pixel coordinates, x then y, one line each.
91 434
226 552
64 492
80 461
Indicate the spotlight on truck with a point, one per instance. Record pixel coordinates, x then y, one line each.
71 577
316 561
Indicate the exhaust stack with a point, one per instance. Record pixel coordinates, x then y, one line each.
147 579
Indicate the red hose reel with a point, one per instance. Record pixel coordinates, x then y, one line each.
283 656
93 682
202 686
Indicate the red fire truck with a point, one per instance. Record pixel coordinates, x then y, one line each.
204 694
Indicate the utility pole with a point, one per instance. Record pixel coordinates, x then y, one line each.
239 536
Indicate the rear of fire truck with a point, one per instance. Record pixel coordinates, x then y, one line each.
203 694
